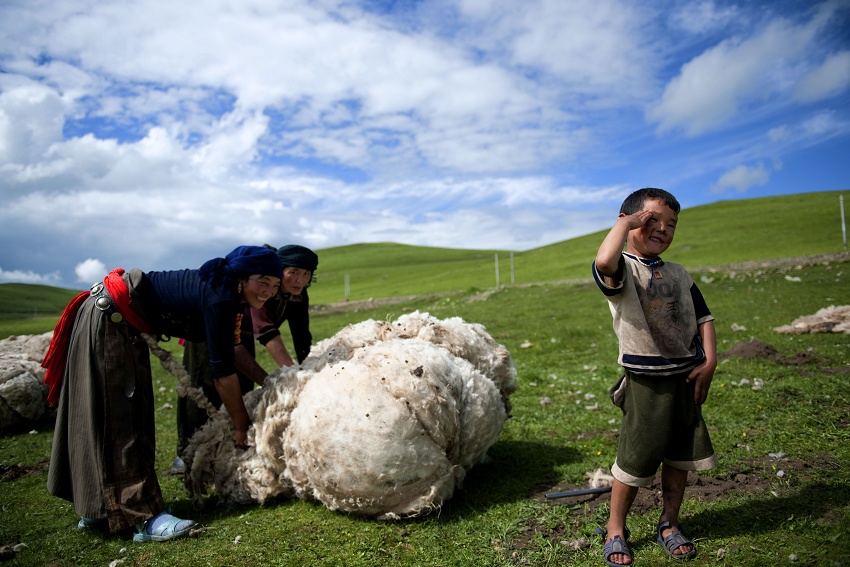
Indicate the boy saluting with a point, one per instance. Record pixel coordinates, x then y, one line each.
669 354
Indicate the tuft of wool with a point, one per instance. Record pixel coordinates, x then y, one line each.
384 419
23 394
832 319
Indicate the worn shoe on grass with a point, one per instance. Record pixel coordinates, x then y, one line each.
178 467
89 523
163 527
615 546
674 541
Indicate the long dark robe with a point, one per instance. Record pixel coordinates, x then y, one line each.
104 444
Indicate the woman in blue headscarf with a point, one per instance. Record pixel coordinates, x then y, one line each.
263 323
98 365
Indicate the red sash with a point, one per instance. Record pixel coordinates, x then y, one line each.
117 288
57 353
56 358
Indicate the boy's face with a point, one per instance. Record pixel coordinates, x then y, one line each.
653 238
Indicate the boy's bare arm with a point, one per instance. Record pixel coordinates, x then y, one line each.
608 256
703 374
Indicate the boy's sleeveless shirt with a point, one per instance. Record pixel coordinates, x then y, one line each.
657 309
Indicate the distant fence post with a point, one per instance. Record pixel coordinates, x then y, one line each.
843 225
347 286
512 268
497 269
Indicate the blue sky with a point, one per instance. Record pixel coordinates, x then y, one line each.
160 134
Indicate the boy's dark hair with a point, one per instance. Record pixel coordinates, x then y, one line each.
634 202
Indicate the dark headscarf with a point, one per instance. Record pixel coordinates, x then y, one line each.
295 256
242 262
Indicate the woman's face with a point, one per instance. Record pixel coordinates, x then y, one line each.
295 279
258 288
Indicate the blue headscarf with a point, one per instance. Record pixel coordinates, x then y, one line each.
241 263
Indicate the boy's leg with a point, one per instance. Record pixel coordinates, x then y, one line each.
622 497
673 482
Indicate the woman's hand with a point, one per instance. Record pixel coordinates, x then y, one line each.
230 393
240 438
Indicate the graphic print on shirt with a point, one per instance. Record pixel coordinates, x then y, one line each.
662 312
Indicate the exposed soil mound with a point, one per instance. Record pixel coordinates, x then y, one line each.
751 350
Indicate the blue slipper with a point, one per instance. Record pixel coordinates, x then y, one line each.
616 545
89 523
163 527
674 541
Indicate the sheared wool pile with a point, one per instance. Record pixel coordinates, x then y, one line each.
832 319
383 419
23 394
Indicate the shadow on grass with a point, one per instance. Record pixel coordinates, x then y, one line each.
514 470
44 424
756 516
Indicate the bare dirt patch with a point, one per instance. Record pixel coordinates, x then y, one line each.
755 349
751 350
9 473
752 475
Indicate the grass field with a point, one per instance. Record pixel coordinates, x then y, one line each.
718 234
779 495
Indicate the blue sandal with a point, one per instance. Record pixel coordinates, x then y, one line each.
163 527
90 523
674 541
616 545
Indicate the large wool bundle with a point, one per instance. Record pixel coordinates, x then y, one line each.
23 394
832 319
382 419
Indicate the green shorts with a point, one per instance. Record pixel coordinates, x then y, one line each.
661 424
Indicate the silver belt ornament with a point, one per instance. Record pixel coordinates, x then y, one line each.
104 302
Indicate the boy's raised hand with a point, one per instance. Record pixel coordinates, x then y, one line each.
637 219
608 256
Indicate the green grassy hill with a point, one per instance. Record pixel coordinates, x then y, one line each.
725 232
720 233
18 301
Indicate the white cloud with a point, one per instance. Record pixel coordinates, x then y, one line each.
742 178
704 16
19 276
823 124
712 88
302 58
827 80
587 47
779 134
31 118
90 270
